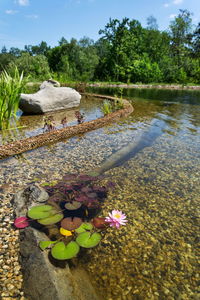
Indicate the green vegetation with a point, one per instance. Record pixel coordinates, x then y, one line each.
10 90
106 107
125 52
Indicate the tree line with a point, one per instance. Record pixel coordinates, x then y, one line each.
126 52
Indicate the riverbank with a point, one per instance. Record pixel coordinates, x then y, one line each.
84 85
146 86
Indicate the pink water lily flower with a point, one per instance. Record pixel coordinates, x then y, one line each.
116 218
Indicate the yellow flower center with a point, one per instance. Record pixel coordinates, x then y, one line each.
117 216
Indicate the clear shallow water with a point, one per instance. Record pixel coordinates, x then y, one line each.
33 124
156 255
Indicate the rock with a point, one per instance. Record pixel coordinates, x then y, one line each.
48 83
49 280
43 277
49 98
30 196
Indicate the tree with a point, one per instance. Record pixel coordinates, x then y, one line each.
15 51
196 41
152 23
180 32
4 50
125 40
28 48
62 41
40 49
34 66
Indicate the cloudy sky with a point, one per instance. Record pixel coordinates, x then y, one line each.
28 22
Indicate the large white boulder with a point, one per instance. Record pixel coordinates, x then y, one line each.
49 98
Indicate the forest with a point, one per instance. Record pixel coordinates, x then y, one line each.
125 52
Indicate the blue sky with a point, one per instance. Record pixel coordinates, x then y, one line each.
28 22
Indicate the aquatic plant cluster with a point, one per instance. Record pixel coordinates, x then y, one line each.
49 123
109 106
71 215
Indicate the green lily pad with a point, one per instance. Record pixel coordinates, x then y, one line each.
61 251
73 205
40 212
54 218
84 227
86 240
45 244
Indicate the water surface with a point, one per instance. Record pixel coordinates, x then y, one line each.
156 255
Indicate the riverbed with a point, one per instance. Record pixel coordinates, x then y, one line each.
155 256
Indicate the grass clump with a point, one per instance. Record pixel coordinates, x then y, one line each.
106 107
10 90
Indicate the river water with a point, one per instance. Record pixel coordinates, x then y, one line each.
155 256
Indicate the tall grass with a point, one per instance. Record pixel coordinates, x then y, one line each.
10 90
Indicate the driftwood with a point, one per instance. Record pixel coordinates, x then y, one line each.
40 140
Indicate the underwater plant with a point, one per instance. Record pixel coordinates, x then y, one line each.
64 122
79 116
72 210
49 124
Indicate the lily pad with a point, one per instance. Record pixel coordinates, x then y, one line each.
54 218
21 222
71 223
45 244
40 212
100 223
61 251
88 240
73 205
84 227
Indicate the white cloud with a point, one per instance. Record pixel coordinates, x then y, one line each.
172 16
32 16
23 2
176 2
11 12
166 5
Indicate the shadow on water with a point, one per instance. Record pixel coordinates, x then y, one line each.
124 154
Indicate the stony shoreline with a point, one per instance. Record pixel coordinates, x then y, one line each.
146 86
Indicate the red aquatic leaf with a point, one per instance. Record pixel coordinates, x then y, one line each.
99 223
21 222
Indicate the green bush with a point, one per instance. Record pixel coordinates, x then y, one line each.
32 66
146 72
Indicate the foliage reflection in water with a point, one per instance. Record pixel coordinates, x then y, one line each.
155 256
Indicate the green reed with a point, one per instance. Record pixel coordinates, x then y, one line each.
10 90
